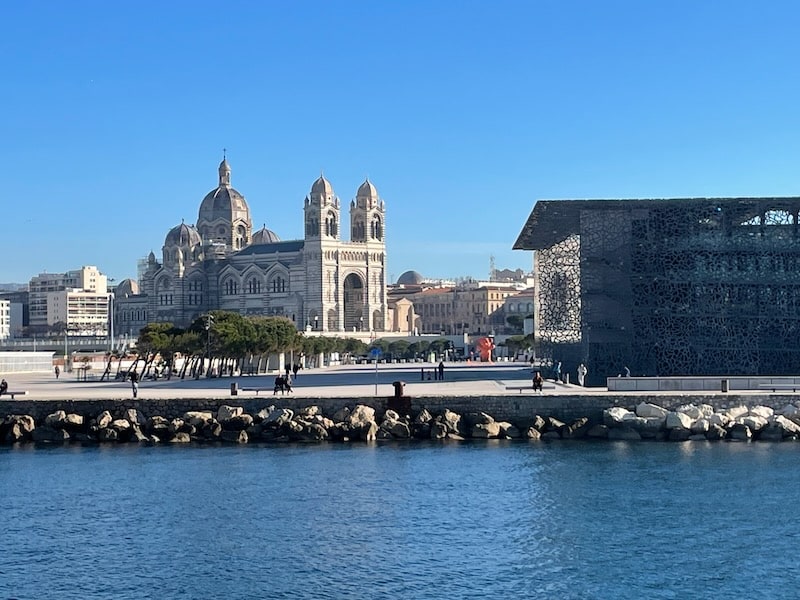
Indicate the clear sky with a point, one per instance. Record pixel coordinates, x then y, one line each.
114 116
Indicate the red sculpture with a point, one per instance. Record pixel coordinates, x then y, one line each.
484 346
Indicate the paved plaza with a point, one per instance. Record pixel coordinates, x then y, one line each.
461 379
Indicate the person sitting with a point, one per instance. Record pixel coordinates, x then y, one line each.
3 387
537 382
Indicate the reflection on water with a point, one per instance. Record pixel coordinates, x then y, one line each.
579 520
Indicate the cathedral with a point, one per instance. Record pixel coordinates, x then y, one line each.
320 282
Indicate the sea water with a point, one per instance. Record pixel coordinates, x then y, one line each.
417 520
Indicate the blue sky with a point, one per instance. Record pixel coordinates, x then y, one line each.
463 114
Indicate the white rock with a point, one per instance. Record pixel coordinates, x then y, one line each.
762 411
719 419
707 410
690 410
197 418
617 415
226 413
754 422
679 420
736 412
647 410
700 426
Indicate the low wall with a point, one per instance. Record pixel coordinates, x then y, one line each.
519 410
694 384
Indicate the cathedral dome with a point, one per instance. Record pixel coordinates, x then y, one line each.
183 235
265 236
322 186
367 189
224 202
126 287
410 278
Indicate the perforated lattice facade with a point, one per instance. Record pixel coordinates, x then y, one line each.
668 287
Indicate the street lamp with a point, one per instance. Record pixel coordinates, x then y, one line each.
361 323
209 321
316 322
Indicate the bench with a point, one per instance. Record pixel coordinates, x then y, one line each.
779 386
14 393
545 386
250 389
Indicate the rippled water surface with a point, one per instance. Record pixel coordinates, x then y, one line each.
575 520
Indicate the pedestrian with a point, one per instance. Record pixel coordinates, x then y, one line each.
537 382
3 387
57 371
582 370
557 371
441 370
134 383
288 370
295 369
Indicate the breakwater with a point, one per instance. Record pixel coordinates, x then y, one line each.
291 419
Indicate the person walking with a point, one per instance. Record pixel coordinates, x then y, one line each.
57 371
582 370
441 370
134 383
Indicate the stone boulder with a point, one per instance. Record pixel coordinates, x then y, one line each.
485 430
180 437
238 423
679 434
678 420
310 411
700 427
55 420
424 416
509 430
340 416
396 428
754 422
106 434
598 431
198 418
533 434
647 410
438 430
74 422
765 412
135 417
120 425
226 413
278 418
234 437
719 419
648 427
735 412
451 421
575 430
691 411
616 416
104 419
716 432
740 431
538 423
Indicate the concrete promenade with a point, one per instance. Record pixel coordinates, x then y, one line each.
352 381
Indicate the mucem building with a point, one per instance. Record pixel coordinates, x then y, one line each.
689 286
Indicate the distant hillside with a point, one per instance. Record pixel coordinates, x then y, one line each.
13 287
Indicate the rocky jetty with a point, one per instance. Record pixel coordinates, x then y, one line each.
271 424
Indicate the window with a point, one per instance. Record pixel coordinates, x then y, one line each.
278 285
231 288
254 286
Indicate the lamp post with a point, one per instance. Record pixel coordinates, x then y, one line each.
316 323
209 321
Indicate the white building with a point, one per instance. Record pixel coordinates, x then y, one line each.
87 278
80 312
5 319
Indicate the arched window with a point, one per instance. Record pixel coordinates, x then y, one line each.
254 286
331 227
278 285
231 288
376 228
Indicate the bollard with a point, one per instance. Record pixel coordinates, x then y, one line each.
724 386
234 389
422 374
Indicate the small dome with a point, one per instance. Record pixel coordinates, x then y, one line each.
265 236
410 278
368 190
322 186
126 287
183 235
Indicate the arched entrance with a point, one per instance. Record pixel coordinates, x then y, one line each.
354 303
